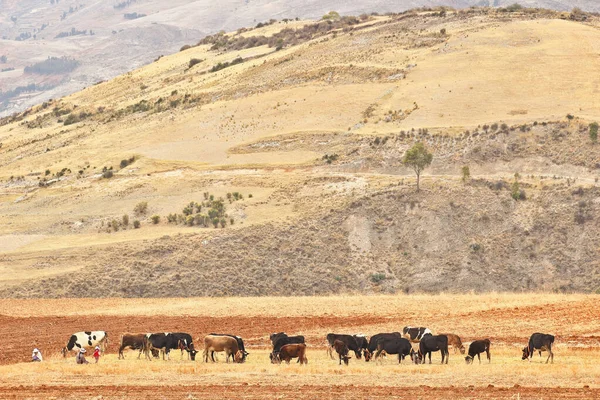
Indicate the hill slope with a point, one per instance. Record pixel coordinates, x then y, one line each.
312 137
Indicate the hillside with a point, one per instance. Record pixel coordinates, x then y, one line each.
105 39
300 128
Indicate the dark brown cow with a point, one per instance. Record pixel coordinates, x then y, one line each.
455 342
289 351
342 349
478 347
134 341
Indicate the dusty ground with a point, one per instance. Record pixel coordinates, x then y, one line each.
507 320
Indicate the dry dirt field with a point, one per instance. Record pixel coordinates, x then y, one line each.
507 319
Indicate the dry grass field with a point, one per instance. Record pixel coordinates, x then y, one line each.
507 319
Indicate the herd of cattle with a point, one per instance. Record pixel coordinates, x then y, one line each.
286 348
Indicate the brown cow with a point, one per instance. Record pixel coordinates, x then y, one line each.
134 341
455 342
225 344
342 349
289 351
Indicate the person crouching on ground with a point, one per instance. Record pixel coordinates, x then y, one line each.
36 356
96 354
81 357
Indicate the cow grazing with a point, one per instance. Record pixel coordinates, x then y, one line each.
289 351
400 346
240 342
455 342
342 349
429 344
353 342
372 346
225 344
86 340
165 342
541 342
415 334
476 348
283 340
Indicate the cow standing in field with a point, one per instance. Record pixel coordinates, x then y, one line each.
87 339
289 351
240 342
455 342
415 334
478 347
165 342
353 342
342 349
541 342
185 343
400 346
372 346
284 339
134 341
225 344
429 344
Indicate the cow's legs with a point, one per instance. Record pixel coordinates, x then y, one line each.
330 352
489 357
479 357
550 356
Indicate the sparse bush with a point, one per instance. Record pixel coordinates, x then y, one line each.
215 222
417 158
107 174
466 173
194 61
155 219
189 220
136 224
570 117
125 220
114 225
141 208
475 247
594 132
377 278
223 222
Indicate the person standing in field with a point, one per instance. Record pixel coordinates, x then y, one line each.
96 354
81 357
36 356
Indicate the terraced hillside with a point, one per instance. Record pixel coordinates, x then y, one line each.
289 139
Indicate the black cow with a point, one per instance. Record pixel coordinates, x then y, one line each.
240 342
429 344
283 340
415 334
342 349
274 336
541 342
478 347
400 346
169 341
372 346
353 342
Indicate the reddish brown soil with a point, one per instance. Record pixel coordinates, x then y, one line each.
284 392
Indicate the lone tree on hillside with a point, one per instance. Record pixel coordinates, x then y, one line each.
417 158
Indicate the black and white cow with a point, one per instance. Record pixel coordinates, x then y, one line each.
353 342
372 346
541 342
240 342
429 344
86 340
165 342
415 334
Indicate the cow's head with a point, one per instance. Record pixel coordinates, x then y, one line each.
525 353
244 355
462 349
358 354
193 354
346 358
238 357
367 355
469 359
416 356
275 359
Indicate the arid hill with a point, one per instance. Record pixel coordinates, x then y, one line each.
269 161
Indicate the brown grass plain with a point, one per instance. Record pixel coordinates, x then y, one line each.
507 319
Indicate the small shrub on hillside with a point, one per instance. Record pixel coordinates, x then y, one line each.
504 127
194 61
223 222
125 220
466 173
155 219
224 65
215 222
114 225
570 117
125 163
107 174
594 132
377 278
136 224
141 208
185 47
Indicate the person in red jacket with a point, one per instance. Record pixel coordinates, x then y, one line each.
96 354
